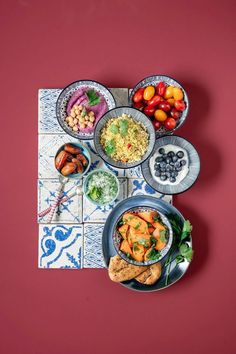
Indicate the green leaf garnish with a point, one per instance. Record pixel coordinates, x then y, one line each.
156 218
153 255
136 248
143 241
93 97
128 255
95 193
137 226
163 236
186 231
149 224
153 240
121 222
186 252
114 129
124 127
179 259
110 147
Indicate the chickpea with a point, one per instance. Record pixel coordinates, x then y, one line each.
86 118
81 119
91 114
92 119
80 107
71 124
90 124
82 125
75 121
75 128
72 113
68 119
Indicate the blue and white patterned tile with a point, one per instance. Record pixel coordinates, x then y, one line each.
60 246
93 257
134 172
139 186
68 212
48 123
94 213
48 146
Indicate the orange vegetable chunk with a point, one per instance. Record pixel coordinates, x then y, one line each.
124 247
123 231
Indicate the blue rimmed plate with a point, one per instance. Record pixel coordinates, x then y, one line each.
65 96
176 271
193 168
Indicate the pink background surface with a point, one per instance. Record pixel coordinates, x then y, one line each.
52 43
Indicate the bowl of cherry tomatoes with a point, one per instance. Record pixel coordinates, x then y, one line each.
163 100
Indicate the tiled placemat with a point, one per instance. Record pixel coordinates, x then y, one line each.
74 238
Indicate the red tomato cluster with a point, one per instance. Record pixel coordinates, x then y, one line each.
163 103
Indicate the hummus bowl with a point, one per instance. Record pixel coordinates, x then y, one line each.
81 105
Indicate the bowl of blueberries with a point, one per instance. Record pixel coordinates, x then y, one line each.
173 167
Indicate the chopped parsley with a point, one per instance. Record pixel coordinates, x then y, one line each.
124 127
153 255
114 129
163 236
137 226
110 147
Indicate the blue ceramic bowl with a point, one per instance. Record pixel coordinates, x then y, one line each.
88 177
64 97
117 238
154 80
85 152
193 167
137 116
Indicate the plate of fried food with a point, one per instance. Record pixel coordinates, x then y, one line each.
147 244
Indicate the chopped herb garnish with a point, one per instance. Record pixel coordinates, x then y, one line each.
128 255
135 246
121 222
124 127
110 147
137 226
114 129
93 97
163 236
187 228
186 251
144 242
153 241
95 193
156 218
84 112
153 255
149 224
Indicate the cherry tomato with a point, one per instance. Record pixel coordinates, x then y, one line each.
170 123
138 105
169 92
171 101
138 96
161 87
178 93
174 113
164 106
160 115
149 111
156 124
154 101
180 105
149 92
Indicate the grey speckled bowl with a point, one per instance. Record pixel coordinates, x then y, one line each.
65 96
154 80
117 238
194 166
136 115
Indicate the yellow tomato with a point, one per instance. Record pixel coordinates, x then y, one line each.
168 92
178 94
149 92
160 115
171 101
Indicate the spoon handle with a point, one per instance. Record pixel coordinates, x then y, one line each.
54 205
62 200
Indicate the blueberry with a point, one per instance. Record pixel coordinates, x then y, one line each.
163 169
183 162
177 164
159 159
168 168
168 160
172 179
173 174
168 174
162 164
179 168
157 173
161 151
163 178
180 154
174 158
171 154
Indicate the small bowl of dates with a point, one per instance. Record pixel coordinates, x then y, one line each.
163 100
72 160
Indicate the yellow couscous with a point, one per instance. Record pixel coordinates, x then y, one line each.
124 139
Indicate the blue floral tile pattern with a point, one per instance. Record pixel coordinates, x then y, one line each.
139 186
67 212
60 246
134 172
47 113
94 213
93 257
48 146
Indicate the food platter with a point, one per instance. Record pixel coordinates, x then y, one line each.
147 237
109 250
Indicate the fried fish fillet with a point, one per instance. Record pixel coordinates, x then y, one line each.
150 275
119 270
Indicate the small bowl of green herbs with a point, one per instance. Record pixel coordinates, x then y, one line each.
101 187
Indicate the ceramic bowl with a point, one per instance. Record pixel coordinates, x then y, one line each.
117 238
65 96
91 174
154 80
137 116
84 151
193 168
